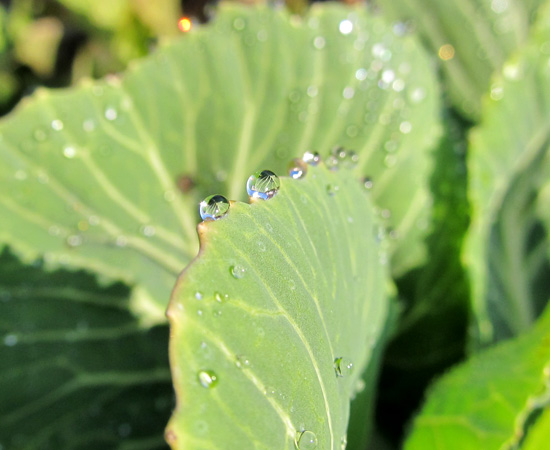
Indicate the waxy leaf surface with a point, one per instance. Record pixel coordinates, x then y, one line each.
107 176
275 321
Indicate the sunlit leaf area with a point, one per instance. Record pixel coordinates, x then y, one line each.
263 225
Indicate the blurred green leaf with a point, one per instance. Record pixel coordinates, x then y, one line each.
506 250
77 371
90 176
275 321
539 435
431 334
472 39
487 402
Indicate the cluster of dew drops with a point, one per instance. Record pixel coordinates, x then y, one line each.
264 185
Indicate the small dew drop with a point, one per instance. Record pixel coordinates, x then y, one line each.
198 295
343 366
239 24
10 340
319 42
121 241
69 152
148 230
111 114
57 125
345 27
332 189
261 246
311 158
214 207
74 240
263 184
238 271
312 91
221 298
361 74
207 378
405 127
297 168
306 440
88 125
343 443
242 361
417 95
348 93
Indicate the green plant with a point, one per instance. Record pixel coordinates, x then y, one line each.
278 326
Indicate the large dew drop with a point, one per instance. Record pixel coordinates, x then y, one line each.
306 440
214 207
263 184
343 366
207 378
297 169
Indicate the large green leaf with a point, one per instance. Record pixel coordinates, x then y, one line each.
506 249
432 331
280 291
488 402
472 39
77 371
89 177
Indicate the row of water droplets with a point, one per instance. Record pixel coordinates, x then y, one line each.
265 184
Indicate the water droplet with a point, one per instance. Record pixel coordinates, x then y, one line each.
306 440
345 26
263 184
221 298
319 42
343 366
69 152
348 92
344 443
417 95
198 295
312 91
332 189
239 24
238 271
398 85
297 168
148 230
10 340
121 241
57 125
497 91
110 113
242 361
385 214
405 127
88 125
361 74
74 240
261 246
93 221
311 158
207 378
214 207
